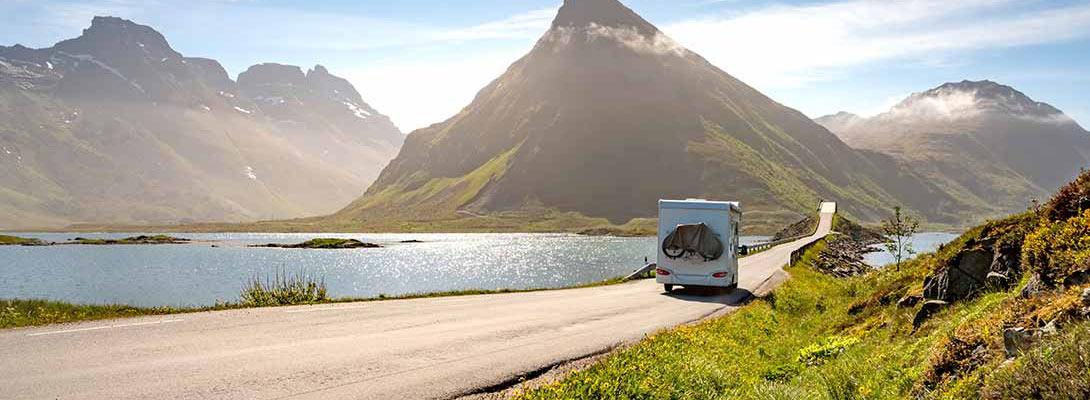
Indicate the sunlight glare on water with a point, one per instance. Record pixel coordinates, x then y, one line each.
199 274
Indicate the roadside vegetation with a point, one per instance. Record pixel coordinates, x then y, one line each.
1000 313
278 290
283 289
20 313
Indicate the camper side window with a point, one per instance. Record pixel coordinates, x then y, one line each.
734 239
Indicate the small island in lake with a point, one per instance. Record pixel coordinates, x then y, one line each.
18 241
324 244
134 240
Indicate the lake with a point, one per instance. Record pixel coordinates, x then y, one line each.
198 274
923 243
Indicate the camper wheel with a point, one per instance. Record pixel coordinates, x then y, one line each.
669 288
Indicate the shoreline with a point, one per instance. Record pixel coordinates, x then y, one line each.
108 312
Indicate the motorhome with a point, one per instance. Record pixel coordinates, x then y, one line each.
698 243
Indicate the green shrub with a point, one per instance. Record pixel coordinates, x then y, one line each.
282 289
1071 200
1058 250
819 353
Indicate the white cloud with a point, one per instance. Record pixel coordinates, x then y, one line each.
790 46
629 37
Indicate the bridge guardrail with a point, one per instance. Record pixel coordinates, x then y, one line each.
643 272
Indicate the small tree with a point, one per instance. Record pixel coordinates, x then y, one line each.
899 229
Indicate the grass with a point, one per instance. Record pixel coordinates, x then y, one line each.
20 313
282 289
820 337
1058 368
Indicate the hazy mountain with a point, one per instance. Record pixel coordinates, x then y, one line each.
980 141
115 126
606 115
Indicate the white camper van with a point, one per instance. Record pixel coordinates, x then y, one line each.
698 243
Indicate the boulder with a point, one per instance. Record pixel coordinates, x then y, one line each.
1007 259
964 276
929 308
1086 297
909 301
997 281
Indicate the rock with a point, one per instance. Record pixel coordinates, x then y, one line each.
1078 278
1086 297
980 352
1007 259
996 281
963 277
1015 340
1049 329
909 301
843 257
1033 287
928 309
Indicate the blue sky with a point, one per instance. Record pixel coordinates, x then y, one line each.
420 61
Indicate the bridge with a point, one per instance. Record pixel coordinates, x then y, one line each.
403 349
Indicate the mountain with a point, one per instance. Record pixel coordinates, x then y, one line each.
115 126
981 141
606 115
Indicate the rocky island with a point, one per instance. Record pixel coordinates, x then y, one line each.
324 244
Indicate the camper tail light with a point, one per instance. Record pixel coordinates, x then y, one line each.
662 272
719 275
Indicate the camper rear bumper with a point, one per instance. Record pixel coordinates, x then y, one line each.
696 280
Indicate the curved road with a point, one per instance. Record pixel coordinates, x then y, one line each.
426 348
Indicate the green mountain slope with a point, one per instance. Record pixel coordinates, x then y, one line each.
605 116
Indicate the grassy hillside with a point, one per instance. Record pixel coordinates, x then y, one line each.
589 124
884 334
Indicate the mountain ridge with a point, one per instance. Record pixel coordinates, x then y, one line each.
984 141
115 126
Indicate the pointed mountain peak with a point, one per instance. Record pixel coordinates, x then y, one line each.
605 13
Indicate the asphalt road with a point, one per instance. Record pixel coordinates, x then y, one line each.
426 348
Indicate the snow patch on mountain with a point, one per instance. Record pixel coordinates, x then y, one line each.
357 110
87 58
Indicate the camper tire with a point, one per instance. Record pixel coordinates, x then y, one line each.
669 288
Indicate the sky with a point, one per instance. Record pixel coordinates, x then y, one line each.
421 61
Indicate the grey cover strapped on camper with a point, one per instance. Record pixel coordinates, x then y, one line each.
693 239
